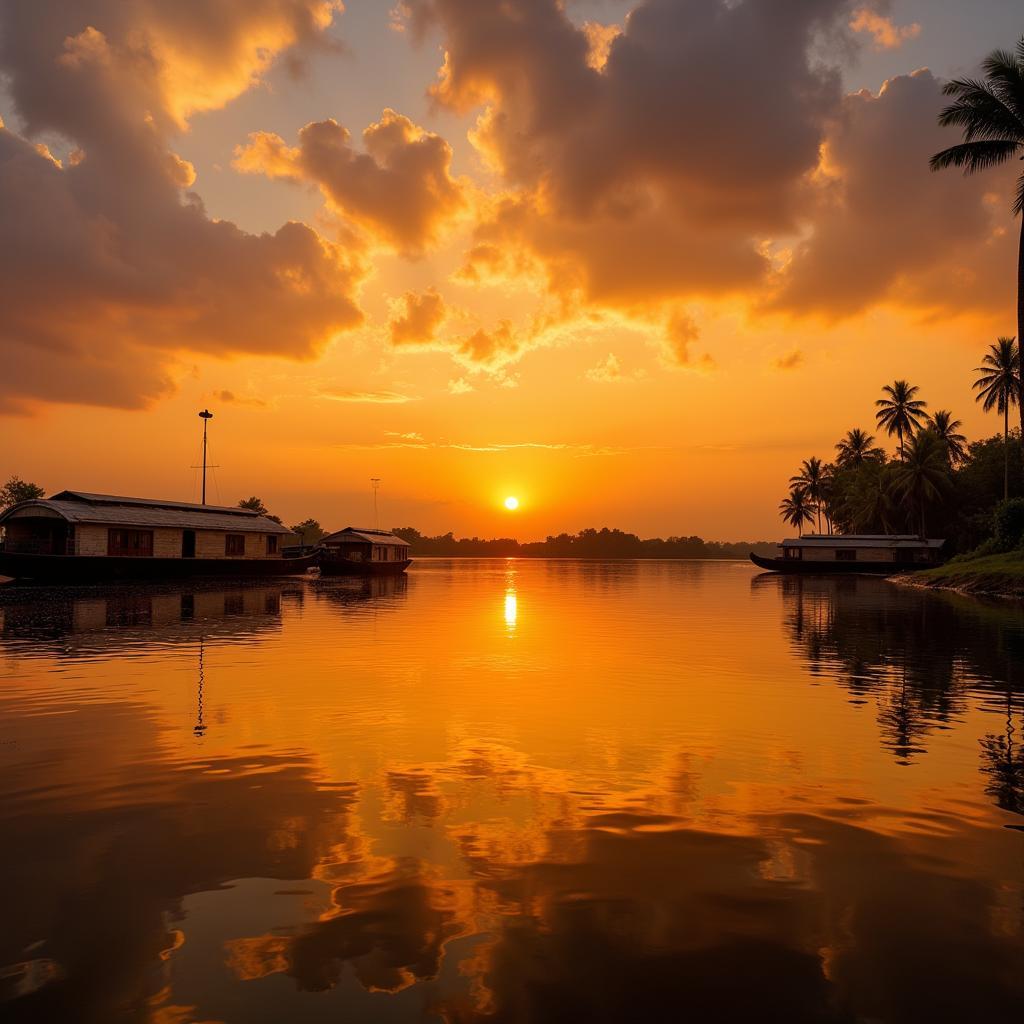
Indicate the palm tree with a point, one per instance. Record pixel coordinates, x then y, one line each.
945 429
997 386
923 477
991 114
857 448
900 413
871 503
796 509
811 479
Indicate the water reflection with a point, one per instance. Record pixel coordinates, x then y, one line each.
677 794
920 656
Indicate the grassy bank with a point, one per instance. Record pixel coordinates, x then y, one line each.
998 575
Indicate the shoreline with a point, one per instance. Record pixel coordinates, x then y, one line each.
998 576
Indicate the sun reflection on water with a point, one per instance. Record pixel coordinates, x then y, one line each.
511 609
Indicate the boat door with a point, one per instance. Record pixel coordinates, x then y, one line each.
188 543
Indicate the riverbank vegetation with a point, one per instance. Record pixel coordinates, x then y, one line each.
934 483
591 543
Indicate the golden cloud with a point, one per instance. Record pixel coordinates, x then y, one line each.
419 319
400 190
886 34
107 268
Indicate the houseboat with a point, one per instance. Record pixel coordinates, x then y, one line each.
356 551
884 554
78 537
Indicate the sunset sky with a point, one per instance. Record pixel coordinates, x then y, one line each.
627 261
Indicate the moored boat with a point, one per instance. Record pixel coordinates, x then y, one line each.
357 551
80 537
881 554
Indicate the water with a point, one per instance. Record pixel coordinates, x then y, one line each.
512 791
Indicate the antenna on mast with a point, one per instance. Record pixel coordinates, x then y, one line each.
375 484
205 416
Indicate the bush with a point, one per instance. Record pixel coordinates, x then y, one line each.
988 547
1008 520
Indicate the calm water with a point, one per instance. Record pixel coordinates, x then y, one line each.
512 791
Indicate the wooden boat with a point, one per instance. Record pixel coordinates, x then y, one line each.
80 537
357 551
881 554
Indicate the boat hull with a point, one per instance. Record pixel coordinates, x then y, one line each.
809 567
348 567
105 568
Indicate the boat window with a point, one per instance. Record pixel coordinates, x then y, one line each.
272 544
130 542
792 553
234 544
846 555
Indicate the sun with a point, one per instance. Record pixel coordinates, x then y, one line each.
511 503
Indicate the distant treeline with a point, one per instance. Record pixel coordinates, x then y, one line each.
590 543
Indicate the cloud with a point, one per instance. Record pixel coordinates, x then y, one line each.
108 267
230 398
400 190
790 361
609 371
485 349
681 331
419 318
573 449
884 228
459 386
707 152
372 397
886 35
628 153
599 42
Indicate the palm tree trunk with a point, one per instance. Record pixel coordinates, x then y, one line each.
1020 328
899 434
1006 451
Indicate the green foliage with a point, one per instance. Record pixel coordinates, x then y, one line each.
1008 523
16 490
309 531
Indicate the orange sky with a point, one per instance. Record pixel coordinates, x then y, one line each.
631 262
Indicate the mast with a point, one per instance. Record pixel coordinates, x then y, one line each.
205 416
375 483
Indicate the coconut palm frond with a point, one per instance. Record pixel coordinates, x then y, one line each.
1005 79
980 112
975 156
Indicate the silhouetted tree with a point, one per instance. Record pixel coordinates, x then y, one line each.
254 504
309 531
945 429
796 509
16 490
991 115
857 448
922 478
900 413
998 387
811 479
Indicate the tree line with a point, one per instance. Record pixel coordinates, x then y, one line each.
935 481
589 543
